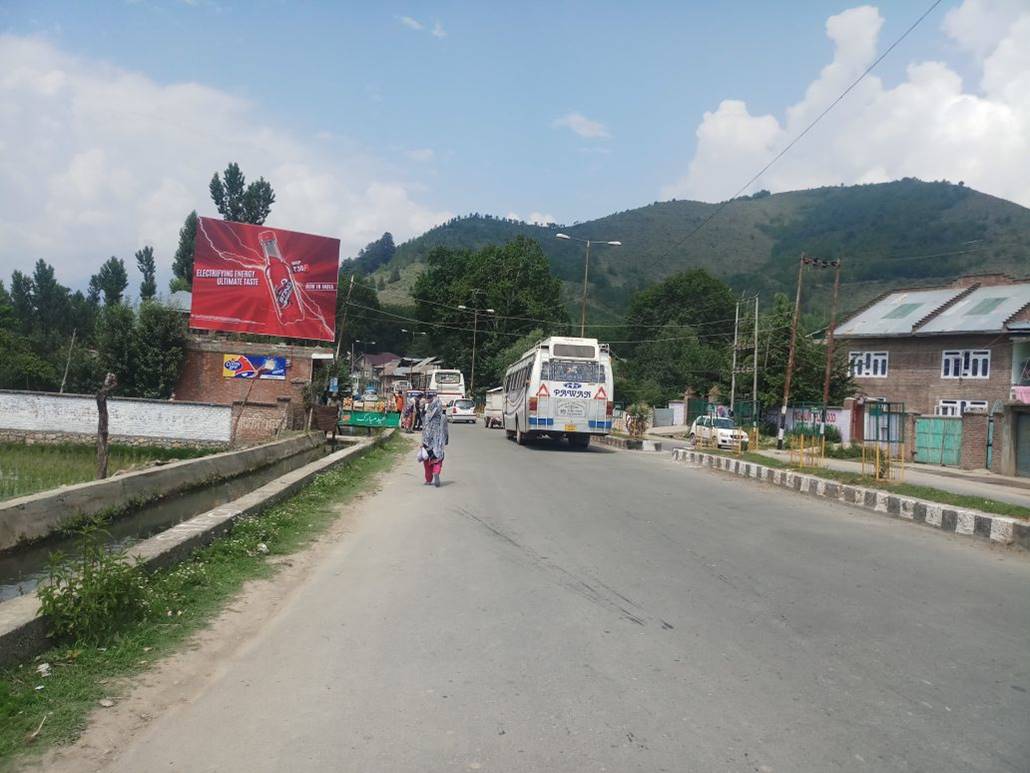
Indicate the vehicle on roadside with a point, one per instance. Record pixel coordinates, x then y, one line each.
493 413
448 384
560 388
460 410
718 432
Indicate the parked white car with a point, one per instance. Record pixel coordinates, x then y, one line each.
717 431
461 410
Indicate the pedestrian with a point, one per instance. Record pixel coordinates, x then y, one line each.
434 438
419 412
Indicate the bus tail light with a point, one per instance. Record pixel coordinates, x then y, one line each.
609 408
532 404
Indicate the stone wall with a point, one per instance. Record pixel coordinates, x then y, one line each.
50 417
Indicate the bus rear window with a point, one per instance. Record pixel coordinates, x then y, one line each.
448 378
576 370
574 350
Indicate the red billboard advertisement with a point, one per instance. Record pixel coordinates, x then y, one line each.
255 279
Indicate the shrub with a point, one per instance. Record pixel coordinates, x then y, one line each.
89 597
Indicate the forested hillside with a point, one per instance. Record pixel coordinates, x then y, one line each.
890 234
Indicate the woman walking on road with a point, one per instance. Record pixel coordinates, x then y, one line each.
434 438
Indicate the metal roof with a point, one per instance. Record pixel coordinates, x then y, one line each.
982 311
898 313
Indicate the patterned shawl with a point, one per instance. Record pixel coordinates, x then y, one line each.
434 428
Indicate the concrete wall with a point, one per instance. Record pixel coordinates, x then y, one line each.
37 515
39 414
914 370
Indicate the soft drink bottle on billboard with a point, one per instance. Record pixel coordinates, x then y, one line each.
288 306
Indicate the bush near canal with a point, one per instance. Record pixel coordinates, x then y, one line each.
123 618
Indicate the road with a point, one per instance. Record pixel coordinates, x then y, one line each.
552 610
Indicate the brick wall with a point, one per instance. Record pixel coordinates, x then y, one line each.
914 370
201 377
973 455
261 420
50 417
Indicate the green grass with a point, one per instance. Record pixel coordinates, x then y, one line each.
26 469
186 597
929 493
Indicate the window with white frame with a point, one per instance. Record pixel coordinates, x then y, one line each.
959 407
868 364
966 363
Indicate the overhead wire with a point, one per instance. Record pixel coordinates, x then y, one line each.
811 125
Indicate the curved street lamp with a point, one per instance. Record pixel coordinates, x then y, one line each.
586 271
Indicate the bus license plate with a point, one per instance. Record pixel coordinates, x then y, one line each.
570 427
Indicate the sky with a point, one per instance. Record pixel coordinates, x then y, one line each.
368 117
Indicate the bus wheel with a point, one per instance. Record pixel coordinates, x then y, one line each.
579 440
520 436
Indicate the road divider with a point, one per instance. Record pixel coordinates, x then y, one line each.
631 444
999 529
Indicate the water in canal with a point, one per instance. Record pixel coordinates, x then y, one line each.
22 568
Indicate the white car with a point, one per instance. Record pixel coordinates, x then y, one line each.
718 432
461 410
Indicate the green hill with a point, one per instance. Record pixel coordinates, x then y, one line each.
906 232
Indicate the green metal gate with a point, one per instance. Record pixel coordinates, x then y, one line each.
1023 444
938 439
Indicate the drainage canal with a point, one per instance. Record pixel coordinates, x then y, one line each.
23 567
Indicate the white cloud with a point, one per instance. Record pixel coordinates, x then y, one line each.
97 161
438 30
422 155
582 126
929 125
411 24
536 218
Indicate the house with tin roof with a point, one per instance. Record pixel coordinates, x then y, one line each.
947 351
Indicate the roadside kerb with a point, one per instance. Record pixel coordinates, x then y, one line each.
999 529
23 629
31 517
631 444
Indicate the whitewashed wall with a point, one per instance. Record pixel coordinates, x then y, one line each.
161 419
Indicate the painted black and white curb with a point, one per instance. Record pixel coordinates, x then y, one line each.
631 444
974 523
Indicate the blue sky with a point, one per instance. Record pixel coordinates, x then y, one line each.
469 118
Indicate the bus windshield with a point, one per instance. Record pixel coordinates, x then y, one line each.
445 377
572 370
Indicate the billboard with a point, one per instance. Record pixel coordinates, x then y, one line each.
254 279
253 366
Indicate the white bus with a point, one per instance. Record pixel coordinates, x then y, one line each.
448 384
562 387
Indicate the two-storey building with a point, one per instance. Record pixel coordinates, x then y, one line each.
948 351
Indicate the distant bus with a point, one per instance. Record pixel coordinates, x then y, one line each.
449 384
561 387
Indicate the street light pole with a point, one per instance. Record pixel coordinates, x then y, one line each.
475 330
586 274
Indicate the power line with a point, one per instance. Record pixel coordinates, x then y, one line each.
810 126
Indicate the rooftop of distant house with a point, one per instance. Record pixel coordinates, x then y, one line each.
985 303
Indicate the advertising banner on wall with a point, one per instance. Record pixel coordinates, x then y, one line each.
253 366
254 279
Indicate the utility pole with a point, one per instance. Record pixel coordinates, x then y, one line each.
754 375
791 353
583 305
829 348
68 362
733 367
343 323
475 329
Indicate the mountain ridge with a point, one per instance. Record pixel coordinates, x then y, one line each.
902 233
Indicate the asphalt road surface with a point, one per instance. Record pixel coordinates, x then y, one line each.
554 610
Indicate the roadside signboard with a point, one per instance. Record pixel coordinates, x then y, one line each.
253 366
254 279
